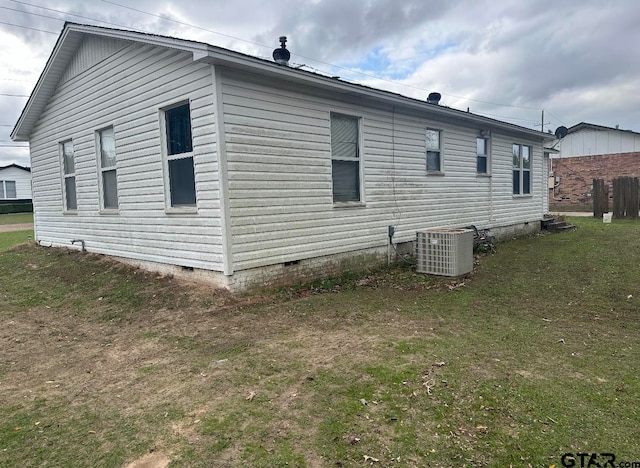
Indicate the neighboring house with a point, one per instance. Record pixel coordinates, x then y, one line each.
590 152
188 158
15 184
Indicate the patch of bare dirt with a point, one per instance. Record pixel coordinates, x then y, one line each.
15 227
151 460
193 360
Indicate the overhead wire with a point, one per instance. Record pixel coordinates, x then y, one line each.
311 58
183 23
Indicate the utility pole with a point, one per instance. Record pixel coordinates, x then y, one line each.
542 122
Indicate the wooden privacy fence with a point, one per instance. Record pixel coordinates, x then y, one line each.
600 198
626 199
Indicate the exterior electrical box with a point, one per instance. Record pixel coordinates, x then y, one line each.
444 252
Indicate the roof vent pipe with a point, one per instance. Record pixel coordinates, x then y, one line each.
281 56
434 98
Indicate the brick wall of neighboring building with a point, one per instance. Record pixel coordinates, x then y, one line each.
577 173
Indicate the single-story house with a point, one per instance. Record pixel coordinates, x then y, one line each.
15 184
588 151
191 159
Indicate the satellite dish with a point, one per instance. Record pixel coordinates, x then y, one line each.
561 132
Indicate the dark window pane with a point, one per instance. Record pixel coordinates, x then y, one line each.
516 182
70 190
110 189
482 164
433 161
516 156
526 181
346 180
344 137
179 130
182 183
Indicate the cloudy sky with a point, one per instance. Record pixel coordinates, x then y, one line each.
577 60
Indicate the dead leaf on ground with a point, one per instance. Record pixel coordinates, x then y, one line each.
251 396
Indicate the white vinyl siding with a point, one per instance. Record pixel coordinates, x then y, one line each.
107 166
589 142
126 90
17 178
280 175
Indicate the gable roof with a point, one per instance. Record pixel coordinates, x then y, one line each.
590 126
17 166
72 35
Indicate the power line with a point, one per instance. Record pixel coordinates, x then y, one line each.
30 13
65 13
311 58
28 27
14 95
235 38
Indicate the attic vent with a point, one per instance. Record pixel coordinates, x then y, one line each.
281 56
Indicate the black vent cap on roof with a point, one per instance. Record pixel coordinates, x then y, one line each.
281 56
434 98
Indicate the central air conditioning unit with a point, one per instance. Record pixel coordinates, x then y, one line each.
445 252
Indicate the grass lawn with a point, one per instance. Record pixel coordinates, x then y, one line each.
12 238
535 355
16 218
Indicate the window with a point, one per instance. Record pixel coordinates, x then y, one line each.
434 150
179 147
482 151
8 189
345 158
107 167
521 169
69 176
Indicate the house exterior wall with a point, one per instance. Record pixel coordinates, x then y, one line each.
574 176
22 179
589 142
280 176
125 85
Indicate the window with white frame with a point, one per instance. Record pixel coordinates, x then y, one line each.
433 140
521 169
8 189
107 167
482 152
179 154
68 176
345 157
